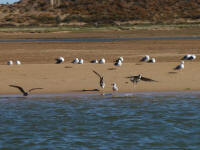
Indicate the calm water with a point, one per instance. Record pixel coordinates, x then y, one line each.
84 122
102 39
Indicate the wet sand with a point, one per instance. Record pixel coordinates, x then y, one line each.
38 67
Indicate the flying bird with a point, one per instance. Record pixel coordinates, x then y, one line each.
22 90
101 81
136 79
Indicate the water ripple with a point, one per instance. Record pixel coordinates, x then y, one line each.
125 121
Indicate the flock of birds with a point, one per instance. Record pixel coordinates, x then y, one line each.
118 62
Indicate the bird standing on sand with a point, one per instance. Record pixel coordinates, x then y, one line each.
10 62
102 61
101 81
189 57
95 61
80 61
118 63
114 87
136 79
152 60
75 61
180 66
18 62
22 90
60 60
145 58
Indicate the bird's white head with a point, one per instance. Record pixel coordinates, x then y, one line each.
114 84
121 58
62 59
182 62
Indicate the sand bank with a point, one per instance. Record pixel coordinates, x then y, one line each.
38 67
67 78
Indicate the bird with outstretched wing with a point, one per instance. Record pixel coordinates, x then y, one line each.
23 91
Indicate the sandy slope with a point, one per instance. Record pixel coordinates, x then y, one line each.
63 79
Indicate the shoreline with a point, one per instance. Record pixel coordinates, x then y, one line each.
118 94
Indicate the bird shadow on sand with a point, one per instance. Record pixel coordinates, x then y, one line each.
139 64
172 72
112 68
68 66
90 90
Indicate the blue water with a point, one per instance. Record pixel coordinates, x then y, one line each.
101 39
93 122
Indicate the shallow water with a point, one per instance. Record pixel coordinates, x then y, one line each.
102 39
123 121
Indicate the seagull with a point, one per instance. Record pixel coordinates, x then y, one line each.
101 81
180 66
80 61
114 87
121 58
75 61
59 60
192 57
136 79
102 61
145 58
186 57
18 62
189 57
10 62
152 60
118 63
95 61
22 90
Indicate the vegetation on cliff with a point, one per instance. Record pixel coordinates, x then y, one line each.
95 12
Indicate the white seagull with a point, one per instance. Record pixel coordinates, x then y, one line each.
186 57
114 87
102 61
95 61
118 63
18 62
80 61
189 57
152 60
121 58
180 66
75 61
192 57
59 60
145 58
10 62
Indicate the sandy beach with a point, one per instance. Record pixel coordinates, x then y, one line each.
64 79
38 67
